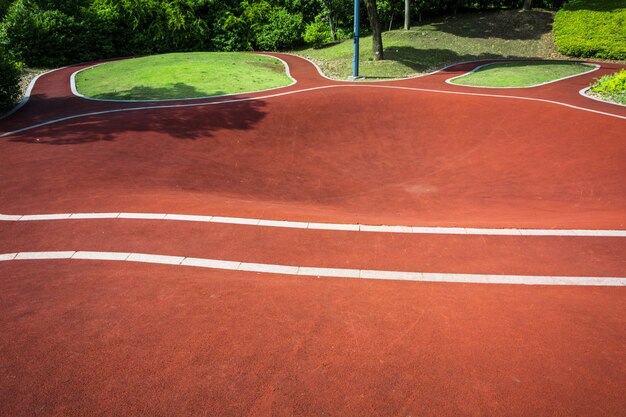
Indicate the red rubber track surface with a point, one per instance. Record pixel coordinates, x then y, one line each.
123 338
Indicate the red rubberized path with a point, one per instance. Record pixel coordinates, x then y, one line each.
85 338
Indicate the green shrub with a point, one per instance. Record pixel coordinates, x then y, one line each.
284 30
43 38
592 28
18 28
612 86
614 83
317 33
231 33
271 27
9 81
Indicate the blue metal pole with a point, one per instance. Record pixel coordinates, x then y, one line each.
355 59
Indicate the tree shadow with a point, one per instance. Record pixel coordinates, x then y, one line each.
191 121
597 6
174 92
424 60
511 25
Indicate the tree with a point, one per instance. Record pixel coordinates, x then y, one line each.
528 4
377 36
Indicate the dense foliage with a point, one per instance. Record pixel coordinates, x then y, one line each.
612 86
50 33
9 81
614 83
592 28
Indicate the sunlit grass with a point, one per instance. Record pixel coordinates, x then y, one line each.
521 73
182 75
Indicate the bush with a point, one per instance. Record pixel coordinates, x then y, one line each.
317 33
42 38
284 30
592 28
611 87
9 81
614 83
230 33
271 28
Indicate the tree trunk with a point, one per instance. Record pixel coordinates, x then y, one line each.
528 4
377 36
407 14
333 31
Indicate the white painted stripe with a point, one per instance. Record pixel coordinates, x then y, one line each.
94 215
391 275
385 229
7 256
211 263
235 220
324 272
35 217
144 216
265 97
155 259
9 218
44 255
334 226
328 272
322 226
283 223
188 218
101 256
268 268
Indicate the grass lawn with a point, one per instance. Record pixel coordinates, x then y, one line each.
432 45
521 73
182 75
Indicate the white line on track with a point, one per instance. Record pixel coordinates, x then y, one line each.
319 272
268 96
352 227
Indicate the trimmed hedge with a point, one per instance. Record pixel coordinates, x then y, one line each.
592 28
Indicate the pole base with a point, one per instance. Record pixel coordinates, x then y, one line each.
357 78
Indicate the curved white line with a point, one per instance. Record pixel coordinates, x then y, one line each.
450 80
353 85
319 272
583 92
374 79
351 227
78 94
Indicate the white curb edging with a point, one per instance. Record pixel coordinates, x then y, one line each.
78 94
29 91
584 91
450 80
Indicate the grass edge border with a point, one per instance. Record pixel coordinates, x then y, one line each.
594 66
583 92
76 93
